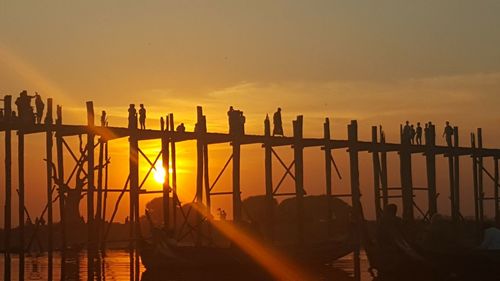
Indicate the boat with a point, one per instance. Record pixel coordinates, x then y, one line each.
165 256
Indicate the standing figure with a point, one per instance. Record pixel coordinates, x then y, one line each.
132 117
181 128
278 124
448 133
24 108
413 133
241 122
406 132
104 119
39 105
427 133
162 124
142 116
231 114
419 133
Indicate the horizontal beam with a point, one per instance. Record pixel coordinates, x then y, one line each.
110 133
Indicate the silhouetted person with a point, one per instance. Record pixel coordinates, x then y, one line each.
407 132
231 115
142 116
413 133
132 117
104 119
426 133
24 108
162 124
419 133
278 124
241 122
39 105
181 128
448 133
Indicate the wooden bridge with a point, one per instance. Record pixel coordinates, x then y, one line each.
98 138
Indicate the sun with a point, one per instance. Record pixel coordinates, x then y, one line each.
159 172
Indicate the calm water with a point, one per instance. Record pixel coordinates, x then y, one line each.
116 267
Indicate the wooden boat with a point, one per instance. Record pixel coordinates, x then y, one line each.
413 263
162 257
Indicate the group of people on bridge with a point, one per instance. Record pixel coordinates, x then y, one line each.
413 135
26 114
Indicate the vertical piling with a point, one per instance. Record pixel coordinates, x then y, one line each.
199 169
48 157
268 165
430 161
90 192
98 214
456 171
8 186
60 179
495 185
376 174
406 177
174 172
328 173
298 149
166 188
475 179
383 170
20 159
352 132
480 188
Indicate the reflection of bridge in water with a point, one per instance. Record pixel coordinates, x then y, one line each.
97 188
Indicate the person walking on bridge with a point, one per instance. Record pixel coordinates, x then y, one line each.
448 133
39 105
142 116
278 124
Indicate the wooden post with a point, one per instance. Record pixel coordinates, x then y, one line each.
352 132
268 165
134 201
60 179
8 187
98 214
451 177
430 160
174 171
48 157
166 188
237 215
475 179
497 211
91 247
456 180
328 173
20 157
383 169
206 179
406 178
376 173
199 171
106 173
298 150
480 188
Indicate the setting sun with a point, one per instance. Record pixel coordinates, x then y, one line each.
159 172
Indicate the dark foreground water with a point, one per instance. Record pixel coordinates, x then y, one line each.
116 267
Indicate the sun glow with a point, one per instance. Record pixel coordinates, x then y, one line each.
159 172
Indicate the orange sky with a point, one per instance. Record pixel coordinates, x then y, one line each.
379 62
